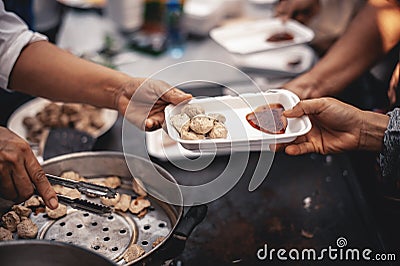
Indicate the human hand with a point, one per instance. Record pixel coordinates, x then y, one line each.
300 10
394 83
337 127
143 102
20 172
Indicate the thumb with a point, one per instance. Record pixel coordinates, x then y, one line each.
297 111
306 107
175 96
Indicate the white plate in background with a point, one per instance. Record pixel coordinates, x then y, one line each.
241 135
84 3
15 122
250 36
263 2
279 61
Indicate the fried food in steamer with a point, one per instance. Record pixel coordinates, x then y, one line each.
139 204
27 229
201 124
123 203
133 252
5 234
112 201
11 220
22 210
57 213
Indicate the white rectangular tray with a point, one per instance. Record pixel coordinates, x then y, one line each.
278 62
250 36
159 146
241 135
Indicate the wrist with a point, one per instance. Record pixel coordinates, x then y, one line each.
372 131
124 92
114 88
322 84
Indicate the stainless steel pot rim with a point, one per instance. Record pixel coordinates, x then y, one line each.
43 242
111 154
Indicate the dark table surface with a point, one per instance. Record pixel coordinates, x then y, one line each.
241 222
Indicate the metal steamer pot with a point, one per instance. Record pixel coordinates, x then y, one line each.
48 253
111 235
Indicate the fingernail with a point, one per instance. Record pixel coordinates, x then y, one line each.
149 123
53 203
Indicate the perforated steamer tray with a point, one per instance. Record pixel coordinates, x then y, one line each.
112 234
241 135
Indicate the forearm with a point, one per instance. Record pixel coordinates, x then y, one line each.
373 32
43 69
373 130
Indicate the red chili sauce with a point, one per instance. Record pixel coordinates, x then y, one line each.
280 37
268 118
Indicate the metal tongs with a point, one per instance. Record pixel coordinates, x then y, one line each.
87 189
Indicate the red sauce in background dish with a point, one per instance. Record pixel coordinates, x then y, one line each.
268 118
280 37
294 63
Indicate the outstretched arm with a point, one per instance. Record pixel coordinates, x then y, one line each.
45 70
42 69
337 127
372 33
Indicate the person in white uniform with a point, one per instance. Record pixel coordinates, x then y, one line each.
32 65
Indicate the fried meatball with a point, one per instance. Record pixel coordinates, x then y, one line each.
112 201
138 205
66 191
29 122
219 117
32 202
185 127
71 108
11 220
64 120
57 213
124 202
21 210
192 110
5 234
112 181
97 181
142 213
71 175
73 193
158 241
83 124
133 252
219 131
138 186
97 121
27 229
189 135
179 120
201 124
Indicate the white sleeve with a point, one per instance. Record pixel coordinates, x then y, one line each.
14 36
